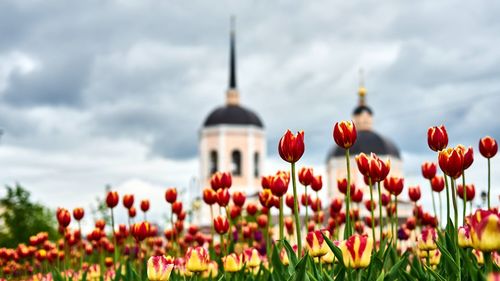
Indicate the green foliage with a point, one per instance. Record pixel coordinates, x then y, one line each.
21 218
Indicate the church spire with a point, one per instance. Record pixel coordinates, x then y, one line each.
361 89
232 94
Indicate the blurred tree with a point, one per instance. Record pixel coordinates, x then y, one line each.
20 218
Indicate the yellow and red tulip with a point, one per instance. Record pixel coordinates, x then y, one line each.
484 230
252 257
316 243
291 147
451 162
344 134
464 239
357 251
159 268
306 176
232 262
196 259
427 239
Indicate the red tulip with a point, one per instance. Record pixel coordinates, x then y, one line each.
221 225
342 186
128 200
368 221
357 195
223 197
451 162
209 196
132 212
100 224
266 198
370 205
305 200
112 199
317 183
414 193
289 225
262 221
145 205
488 147
266 181
470 191
411 223
394 185
252 209
344 134
78 213
279 185
437 183
316 205
437 138
141 230
363 163
429 170
467 154
177 207
336 205
379 169
171 195
63 217
306 176
291 147
385 199
221 180
239 198
234 211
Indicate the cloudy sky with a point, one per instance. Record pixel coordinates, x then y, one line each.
114 92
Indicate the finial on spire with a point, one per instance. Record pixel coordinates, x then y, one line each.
232 54
361 89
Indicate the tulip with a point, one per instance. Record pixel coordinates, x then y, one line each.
437 138
159 268
232 262
356 251
141 230
336 205
266 181
279 185
488 147
78 213
344 134
209 196
414 193
112 199
252 257
262 221
212 271
306 176
317 183
132 212
145 205
284 255
316 243
171 195
128 200
251 209
223 197
427 239
464 239
234 211
379 169
394 185
220 180
357 195
451 162
177 207
239 198
470 192
342 186
196 259
63 217
363 163
266 198
221 225
484 229
429 170
291 147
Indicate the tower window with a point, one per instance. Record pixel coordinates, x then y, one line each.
212 167
236 163
256 171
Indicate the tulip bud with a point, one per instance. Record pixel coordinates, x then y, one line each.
357 195
251 209
291 147
336 205
362 161
437 138
171 195
370 205
488 147
266 198
437 183
145 205
378 169
316 243
317 183
464 240
223 197
209 196
356 251
177 207
427 239
112 199
63 217
78 213
252 257
239 198
414 193
196 259
342 186
306 176
128 200
394 185
232 262
429 170
344 134
484 229
141 230
159 268
467 155
279 185
262 221
451 162
470 191
305 200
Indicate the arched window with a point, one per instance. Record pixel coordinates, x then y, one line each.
236 163
256 171
212 166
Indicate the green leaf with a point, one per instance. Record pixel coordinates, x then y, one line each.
381 276
435 274
278 267
336 250
292 257
396 268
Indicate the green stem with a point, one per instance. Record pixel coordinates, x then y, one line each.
173 231
282 234
464 195
212 229
114 235
307 207
296 210
455 236
371 207
348 228
488 263
380 210
440 209
433 202
268 241
489 184
395 235
447 199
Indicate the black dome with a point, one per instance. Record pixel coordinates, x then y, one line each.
367 142
232 115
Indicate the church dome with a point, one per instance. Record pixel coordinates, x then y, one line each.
232 115
367 142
